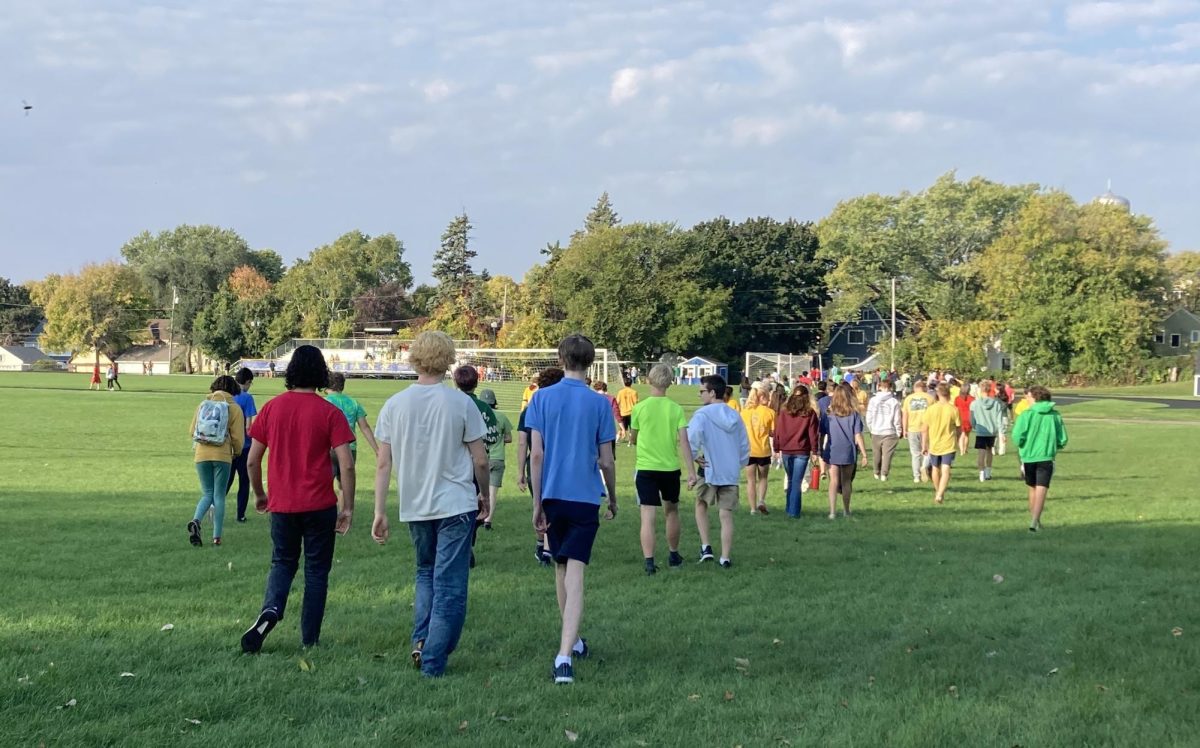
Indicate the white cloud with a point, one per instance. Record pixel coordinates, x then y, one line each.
559 62
437 90
1106 14
625 85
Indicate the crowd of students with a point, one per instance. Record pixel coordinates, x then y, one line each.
445 449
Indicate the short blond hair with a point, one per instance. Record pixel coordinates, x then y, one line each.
432 353
660 376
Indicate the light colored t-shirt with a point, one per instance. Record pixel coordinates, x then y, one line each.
942 419
760 423
657 421
627 397
428 427
915 406
351 409
504 429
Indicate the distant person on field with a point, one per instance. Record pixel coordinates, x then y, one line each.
963 403
940 437
433 437
527 395
627 397
731 401
466 378
95 383
719 438
659 431
572 434
759 420
797 441
111 377
504 432
884 422
842 429
912 427
1039 433
245 401
298 429
213 460
987 416
548 377
356 418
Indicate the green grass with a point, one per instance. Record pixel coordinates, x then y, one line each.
855 631
1181 390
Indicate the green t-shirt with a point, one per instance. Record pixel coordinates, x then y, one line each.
657 421
351 409
489 421
504 429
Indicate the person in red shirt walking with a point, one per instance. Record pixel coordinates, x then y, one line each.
963 403
299 428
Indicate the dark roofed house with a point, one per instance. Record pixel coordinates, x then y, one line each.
854 339
20 358
1177 334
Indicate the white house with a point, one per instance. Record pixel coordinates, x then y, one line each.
19 358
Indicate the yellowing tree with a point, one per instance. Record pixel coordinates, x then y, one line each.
102 307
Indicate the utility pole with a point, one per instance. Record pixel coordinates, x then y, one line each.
171 344
504 309
893 366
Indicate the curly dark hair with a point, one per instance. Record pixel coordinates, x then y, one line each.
225 383
306 370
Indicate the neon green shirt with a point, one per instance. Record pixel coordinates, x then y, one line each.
657 421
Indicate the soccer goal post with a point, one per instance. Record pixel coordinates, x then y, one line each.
507 371
783 364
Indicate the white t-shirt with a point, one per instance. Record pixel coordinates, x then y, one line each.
428 427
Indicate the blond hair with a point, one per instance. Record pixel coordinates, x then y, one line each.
660 376
432 353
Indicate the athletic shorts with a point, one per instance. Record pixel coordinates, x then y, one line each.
1039 473
760 461
845 473
626 421
656 486
985 442
941 460
724 497
572 529
496 473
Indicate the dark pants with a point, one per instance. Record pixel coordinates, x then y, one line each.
243 479
315 531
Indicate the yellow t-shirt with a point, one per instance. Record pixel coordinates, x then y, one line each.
1021 406
955 391
863 399
915 406
627 397
733 403
525 398
760 424
941 420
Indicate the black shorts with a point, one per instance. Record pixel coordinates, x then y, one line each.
1039 473
626 421
984 442
760 461
656 486
572 529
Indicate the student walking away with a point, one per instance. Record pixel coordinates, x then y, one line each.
719 434
912 426
110 376
987 421
572 433
1039 433
504 430
884 422
759 420
245 401
744 388
659 431
842 429
431 436
356 418
527 395
963 403
548 377
602 388
797 441
297 429
731 401
940 435
627 397
218 433
95 383
466 378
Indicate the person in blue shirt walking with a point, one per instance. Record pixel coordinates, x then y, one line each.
245 401
572 432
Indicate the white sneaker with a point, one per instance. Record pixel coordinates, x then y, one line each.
876 476
883 478
982 476
987 473
916 480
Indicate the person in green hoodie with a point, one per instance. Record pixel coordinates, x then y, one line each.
987 414
1039 433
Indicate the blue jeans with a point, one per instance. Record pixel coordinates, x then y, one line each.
797 470
443 555
214 482
239 469
315 532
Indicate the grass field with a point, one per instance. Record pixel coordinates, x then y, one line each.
889 629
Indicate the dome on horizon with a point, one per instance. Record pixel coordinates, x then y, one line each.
1111 198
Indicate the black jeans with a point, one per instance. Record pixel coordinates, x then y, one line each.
315 531
239 470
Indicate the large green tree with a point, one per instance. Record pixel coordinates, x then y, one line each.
219 329
452 262
19 316
1183 269
102 307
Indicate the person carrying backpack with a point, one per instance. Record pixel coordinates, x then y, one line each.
219 432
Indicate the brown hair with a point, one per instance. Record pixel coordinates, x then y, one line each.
1039 393
550 375
943 390
226 383
843 400
337 381
466 378
799 403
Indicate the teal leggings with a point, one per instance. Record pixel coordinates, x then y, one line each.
214 484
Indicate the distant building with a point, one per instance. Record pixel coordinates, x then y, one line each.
1177 334
1109 198
854 339
19 357
694 368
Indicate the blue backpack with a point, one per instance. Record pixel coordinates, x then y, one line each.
212 423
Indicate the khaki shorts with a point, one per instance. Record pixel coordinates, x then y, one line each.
724 497
496 473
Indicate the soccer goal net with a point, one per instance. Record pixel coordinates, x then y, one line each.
508 371
783 364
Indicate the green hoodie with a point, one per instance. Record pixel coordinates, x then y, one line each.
1039 432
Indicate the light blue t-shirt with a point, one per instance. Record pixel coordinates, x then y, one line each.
574 421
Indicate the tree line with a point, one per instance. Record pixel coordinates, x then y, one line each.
1063 287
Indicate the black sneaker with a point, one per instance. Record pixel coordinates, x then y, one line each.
725 563
706 554
252 640
564 674
241 519
545 559
194 534
581 654
650 567
675 559
539 555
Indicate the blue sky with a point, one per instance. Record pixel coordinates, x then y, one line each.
294 122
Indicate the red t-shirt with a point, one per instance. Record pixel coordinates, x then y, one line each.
963 402
298 429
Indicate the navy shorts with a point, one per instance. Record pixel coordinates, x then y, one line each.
984 442
1038 473
572 529
656 486
760 461
941 460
